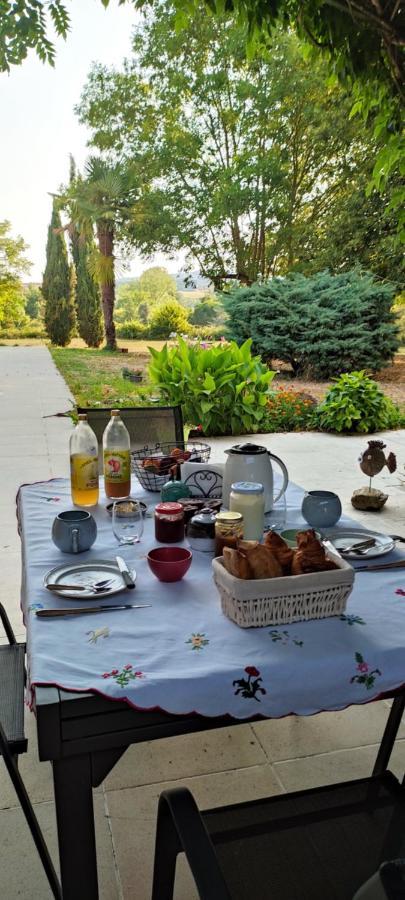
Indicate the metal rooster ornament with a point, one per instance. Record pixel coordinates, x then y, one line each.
372 461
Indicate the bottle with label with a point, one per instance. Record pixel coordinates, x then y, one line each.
84 464
116 457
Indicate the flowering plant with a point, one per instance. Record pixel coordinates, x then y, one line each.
289 410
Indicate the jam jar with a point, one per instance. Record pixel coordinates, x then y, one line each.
201 531
228 530
169 523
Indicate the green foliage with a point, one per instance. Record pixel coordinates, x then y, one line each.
251 158
88 303
136 298
35 329
24 24
355 403
13 265
58 286
205 312
224 388
168 318
322 325
34 302
133 330
289 410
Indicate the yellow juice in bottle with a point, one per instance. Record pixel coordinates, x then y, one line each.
84 464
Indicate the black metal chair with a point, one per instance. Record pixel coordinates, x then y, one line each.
12 738
147 425
318 844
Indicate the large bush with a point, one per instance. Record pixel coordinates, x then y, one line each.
167 318
322 325
224 389
355 403
133 330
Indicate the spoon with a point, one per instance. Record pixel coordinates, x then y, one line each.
96 586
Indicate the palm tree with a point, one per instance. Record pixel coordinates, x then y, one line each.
105 198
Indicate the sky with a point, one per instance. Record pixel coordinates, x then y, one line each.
40 128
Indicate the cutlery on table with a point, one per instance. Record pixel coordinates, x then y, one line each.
379 567
96 586
126 574
358 546
397 537
82 611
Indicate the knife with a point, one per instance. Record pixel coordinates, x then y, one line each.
379 567
127 577
82 611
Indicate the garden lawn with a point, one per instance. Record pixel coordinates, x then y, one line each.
95 376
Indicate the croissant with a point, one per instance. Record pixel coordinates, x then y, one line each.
236 563
280 550
263 563
310 557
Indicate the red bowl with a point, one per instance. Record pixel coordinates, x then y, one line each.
169 563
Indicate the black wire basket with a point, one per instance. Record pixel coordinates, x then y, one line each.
153 478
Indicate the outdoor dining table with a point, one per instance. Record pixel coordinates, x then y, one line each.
101 682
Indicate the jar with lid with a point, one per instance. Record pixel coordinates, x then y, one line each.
228 530
201 531
247 497
169 523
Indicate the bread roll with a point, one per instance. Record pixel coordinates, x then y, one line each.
263 563
236 563
280 550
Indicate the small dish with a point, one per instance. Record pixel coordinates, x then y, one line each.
169 563
86 573
347 536
290 536
144 507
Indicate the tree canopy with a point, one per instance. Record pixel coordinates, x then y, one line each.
13 264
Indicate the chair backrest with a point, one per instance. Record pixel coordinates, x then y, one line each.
147 425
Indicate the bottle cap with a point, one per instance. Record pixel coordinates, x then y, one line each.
168 508
247 487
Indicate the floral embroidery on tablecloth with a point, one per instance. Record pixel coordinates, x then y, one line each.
352 620
124 676
33 606
250 686
98 633
49 499
365 675
284 637
400 591
197 641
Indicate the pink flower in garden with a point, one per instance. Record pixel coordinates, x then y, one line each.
127 667
362 667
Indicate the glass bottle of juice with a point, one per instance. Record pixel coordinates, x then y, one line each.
84 464
116 456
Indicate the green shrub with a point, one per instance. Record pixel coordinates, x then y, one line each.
206 333
33 330
167 318
289 410
133 330
322 325
355 403
223 388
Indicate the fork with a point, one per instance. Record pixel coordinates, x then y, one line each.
96 586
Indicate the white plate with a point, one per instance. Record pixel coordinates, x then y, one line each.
342 537
87 573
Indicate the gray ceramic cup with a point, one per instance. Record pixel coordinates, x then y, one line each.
74 531
321 509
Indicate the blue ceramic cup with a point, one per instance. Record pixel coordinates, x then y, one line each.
321 509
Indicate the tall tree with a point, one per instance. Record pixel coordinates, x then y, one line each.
105 199
87 292
57 286
247 153
13 264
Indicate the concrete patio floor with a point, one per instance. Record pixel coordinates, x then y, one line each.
219 766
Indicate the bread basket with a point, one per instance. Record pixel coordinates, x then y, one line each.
280 601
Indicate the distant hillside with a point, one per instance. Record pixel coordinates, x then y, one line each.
196 281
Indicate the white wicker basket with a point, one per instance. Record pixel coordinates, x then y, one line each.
279 601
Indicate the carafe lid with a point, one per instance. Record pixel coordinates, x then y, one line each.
247 449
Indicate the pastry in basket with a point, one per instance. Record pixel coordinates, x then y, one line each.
262 562
280 550
236 563
310 556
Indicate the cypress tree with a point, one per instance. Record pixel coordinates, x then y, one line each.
88 303
57 285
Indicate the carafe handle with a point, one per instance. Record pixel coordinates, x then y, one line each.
285 475
75 540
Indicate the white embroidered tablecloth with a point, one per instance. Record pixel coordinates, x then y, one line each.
183 654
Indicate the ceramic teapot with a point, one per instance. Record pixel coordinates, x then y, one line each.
74 531
249 462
